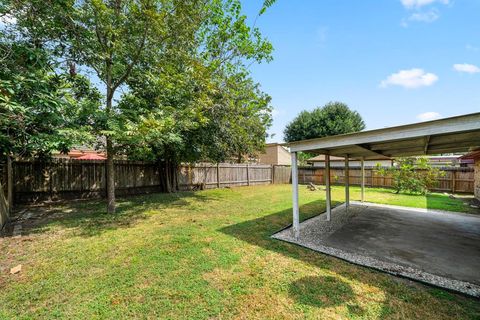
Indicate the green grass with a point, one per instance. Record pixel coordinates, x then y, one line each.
205 255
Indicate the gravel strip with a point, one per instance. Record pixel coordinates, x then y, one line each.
317 229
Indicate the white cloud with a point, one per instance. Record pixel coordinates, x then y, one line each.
419 13
412 78
465 67
431 115
469 47
428 16
410 4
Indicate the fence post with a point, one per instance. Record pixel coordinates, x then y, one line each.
218 175
9 184
454 173
248 176
106 178
272 168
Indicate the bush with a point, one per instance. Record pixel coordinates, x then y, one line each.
412 175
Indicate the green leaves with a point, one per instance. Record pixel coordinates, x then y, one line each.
332 119
36 105
182 67
412 174
266 4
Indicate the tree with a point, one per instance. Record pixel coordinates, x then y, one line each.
412 174
332 119
112 39
201 106
132 44
39 109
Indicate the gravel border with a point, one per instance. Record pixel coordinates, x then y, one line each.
338 218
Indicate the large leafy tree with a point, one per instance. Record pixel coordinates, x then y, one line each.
177 61
40 111
198 102
332 119
112 40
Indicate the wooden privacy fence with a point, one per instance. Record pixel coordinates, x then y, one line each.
222 175
454 180
78 179
35 181
4 213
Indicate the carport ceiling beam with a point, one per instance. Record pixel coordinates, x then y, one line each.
450 150
427 140
431 148
456 137
367 148
399 144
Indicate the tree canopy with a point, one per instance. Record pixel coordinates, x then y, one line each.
173 76
332 119
40 111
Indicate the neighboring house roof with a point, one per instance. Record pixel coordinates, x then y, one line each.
91 156
76 153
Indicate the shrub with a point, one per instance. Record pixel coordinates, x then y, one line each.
412 174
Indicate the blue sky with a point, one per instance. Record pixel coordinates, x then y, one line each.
394 61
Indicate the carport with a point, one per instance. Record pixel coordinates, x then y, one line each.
449 135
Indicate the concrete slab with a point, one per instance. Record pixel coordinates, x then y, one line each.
437 247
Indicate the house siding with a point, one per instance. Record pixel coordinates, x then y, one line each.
275 155
284 157
270 156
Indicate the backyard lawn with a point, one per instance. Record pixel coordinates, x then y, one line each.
205 255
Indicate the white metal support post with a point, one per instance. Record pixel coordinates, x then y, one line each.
296 214
327 186
363 179
347 183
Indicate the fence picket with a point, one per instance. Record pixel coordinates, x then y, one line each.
73 179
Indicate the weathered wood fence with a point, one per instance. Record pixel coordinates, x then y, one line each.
222 175
35 181
4 213
454 180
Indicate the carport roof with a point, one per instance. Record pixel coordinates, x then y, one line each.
449 135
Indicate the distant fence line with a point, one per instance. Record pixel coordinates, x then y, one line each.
35 181
454 179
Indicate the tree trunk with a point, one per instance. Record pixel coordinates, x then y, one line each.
168 176
110 177
110 149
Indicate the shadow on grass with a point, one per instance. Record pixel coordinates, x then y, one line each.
314 291
89 218
323 292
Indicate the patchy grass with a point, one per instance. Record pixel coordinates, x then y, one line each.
204 255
